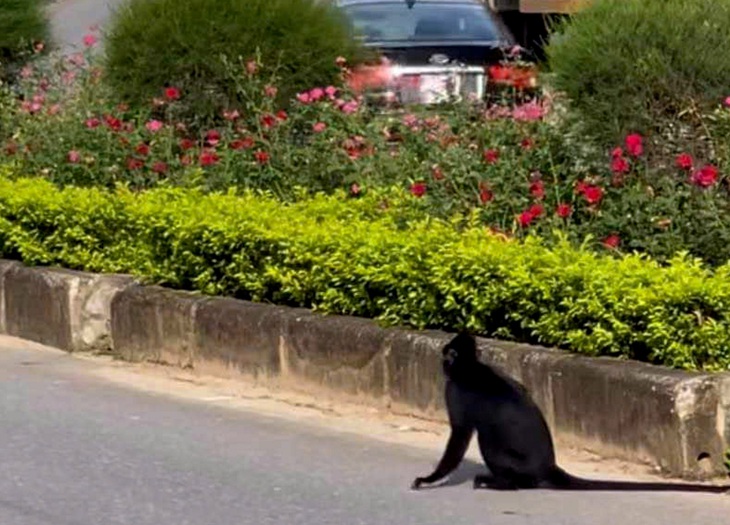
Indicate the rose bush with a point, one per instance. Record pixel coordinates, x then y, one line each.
512 167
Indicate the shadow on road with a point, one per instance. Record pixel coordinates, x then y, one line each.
468 469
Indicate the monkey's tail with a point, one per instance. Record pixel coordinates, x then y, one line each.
562 480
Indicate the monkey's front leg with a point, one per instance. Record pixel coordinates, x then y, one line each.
454 453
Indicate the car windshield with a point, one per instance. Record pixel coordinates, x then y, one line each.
447 21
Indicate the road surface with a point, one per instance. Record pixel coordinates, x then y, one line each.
77 449
71 19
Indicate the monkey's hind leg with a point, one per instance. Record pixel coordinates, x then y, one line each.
454 453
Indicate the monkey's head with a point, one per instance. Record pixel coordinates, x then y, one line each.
459 352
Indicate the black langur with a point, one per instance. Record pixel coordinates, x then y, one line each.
512 433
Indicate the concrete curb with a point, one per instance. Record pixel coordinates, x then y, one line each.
627 410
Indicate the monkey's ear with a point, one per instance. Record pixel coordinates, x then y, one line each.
467 336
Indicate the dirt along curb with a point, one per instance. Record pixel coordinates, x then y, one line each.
676 421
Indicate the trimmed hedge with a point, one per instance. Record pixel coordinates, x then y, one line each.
353 256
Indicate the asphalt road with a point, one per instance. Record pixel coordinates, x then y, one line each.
78 450
71 19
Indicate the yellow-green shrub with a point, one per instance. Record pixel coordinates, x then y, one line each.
347 256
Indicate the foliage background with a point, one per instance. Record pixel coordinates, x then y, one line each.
22 24
646 66
156 43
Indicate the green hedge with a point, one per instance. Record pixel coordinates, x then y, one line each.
355 256
22 23
156 43
643 65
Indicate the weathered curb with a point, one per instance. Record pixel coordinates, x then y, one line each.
57 307
621 409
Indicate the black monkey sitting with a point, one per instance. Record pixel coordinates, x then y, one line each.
512 433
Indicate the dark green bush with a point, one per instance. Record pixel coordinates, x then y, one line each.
643 65
22 24
351 257
186 44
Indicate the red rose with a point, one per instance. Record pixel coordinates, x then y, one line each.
262 157
536 210
159 167
172 93
436 172
705 176
617 152
619 165
485 194
563 210
418 189
212 138
268 121
684 161
244 143
537 189
530 214
527 143
281 115
142 149
93 123
353 152
134 164
612 241
525 219
186 144
635 145
491 156
209 158
593 194
113 123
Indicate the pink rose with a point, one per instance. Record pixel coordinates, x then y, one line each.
90 40
154 126
350 107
